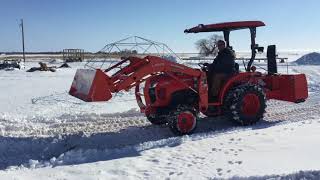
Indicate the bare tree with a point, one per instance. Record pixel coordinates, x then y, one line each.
208 46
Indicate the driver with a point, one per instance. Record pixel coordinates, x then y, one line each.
223 66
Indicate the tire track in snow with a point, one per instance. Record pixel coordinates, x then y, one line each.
284 111
74 124
102 123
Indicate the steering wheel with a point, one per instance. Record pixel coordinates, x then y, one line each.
204 66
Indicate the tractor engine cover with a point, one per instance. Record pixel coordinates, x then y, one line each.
163 90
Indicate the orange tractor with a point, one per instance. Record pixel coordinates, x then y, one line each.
175 94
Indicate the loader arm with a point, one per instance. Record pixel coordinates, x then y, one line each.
139 69
98 85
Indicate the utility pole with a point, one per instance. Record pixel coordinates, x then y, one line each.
22 33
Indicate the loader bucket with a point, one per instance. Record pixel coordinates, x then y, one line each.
91 85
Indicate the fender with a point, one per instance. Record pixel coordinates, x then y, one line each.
242 76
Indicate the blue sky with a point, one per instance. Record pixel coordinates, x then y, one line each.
52 25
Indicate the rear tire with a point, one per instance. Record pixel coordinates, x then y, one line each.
183 120
245 104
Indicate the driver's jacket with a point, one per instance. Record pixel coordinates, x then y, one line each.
224 62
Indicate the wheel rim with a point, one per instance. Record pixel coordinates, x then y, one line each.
186 122
251 104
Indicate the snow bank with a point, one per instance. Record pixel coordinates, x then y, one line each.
309 59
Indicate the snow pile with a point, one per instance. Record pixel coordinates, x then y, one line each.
309 59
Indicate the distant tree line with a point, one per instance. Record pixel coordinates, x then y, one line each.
40 52
44 52
122 52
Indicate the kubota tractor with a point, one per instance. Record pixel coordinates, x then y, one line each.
175 94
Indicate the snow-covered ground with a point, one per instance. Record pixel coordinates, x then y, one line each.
47 134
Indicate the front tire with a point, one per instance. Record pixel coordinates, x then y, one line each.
183 120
